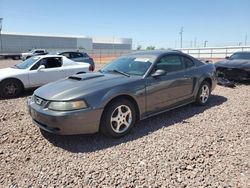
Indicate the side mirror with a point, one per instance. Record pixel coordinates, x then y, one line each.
158 73
227 57
41 67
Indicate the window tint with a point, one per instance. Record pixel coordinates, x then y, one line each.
79 54
52 62
85 55
76 55
188 62
66 54
39 51
170 63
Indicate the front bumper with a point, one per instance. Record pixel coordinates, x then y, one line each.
233 74
84 121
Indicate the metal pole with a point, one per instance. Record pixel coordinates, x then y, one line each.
1 21
181 33
246 40
205 43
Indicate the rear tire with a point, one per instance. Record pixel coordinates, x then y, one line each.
118 118
203 93
10 88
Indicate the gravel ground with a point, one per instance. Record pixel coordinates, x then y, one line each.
188 147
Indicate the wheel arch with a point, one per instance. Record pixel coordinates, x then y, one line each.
209 80
124 96
13 78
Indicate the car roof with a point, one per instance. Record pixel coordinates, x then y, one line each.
156 52
72 52
50 55
245 52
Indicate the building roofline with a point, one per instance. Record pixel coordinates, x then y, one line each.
44 35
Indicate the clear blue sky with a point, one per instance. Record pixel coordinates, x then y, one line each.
148 22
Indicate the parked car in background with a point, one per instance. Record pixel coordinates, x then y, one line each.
10 55
79 57
131 88
235 67
205 60
37 71
32 53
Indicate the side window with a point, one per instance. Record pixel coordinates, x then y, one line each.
36 66
76 55
66 54
39 51
188 62
170 63
80 55
52 62
85 55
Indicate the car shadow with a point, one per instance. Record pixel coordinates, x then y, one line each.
246 82
91 143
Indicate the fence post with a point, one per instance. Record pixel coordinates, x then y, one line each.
100 56
226 52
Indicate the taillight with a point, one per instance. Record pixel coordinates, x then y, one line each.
91 68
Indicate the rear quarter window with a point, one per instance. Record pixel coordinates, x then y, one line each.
188 62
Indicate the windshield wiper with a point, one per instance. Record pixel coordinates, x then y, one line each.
120 72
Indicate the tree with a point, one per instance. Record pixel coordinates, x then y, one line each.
150 48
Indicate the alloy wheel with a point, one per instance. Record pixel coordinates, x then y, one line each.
205 91
121 119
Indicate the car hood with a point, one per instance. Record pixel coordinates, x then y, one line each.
233 63
10 72
78 86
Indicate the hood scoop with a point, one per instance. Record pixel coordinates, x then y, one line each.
85 76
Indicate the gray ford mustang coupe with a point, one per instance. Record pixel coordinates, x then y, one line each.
129 89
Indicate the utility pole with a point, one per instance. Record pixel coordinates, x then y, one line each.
246 40
195 42
191 44
181 33
1 23
205 43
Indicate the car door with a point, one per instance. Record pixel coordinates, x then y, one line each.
53 71
169 89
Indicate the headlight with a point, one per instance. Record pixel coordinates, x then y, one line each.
67 106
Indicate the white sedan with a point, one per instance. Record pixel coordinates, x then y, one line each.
37 71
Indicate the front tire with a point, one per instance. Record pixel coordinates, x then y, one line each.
118 118
203 93
10 88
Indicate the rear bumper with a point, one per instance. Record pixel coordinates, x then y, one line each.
65 123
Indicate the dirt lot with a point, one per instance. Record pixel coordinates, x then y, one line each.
188 147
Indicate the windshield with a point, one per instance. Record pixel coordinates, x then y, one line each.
129 65
240 56
27 63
